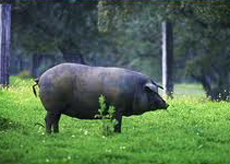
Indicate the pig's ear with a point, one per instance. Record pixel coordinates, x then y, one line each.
159 86
150 87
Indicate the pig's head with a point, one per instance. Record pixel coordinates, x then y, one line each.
148 99
155 101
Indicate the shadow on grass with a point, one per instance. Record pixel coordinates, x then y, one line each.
6 123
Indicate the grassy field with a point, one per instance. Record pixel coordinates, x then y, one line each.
194 131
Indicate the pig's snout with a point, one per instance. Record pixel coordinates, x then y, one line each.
165 106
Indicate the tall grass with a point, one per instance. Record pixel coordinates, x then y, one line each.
194 130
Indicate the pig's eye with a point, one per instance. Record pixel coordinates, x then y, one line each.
148 90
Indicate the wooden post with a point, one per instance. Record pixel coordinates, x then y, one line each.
167 58
5 29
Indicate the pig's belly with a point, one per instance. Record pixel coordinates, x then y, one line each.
81 112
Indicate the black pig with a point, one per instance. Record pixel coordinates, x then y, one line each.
74 89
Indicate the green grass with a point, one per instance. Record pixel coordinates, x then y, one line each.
195 131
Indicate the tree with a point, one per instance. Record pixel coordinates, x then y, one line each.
148 16
201 46
55 28
208 46
5 24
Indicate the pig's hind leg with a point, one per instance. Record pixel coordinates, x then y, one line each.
52 120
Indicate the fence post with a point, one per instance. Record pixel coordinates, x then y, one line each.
167 58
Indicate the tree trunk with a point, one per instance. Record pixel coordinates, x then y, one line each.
34 65
218 89
71 52
167 58
36 61
21 64
5 24
73 57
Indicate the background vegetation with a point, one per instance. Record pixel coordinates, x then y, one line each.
125 34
